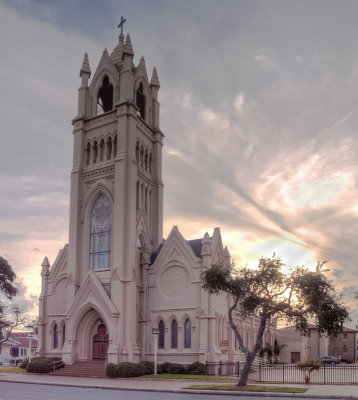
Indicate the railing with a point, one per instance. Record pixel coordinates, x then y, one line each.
288 373
223 368
57 365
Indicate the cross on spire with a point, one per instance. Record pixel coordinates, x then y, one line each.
120 25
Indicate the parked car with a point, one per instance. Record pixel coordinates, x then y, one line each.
330 360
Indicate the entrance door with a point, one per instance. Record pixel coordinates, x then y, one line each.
295 356
100 343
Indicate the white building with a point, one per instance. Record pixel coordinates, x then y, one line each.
117 278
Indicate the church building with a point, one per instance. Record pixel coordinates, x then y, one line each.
117 278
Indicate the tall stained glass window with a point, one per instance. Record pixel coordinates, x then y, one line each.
174 334
187 334
55 337
101 232
161 335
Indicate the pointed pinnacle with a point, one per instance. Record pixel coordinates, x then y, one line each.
45 262
155 81
85 69
128 45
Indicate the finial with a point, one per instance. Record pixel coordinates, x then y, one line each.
120 25
45 262
45 267
85 69
155 80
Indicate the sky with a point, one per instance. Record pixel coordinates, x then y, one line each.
259 107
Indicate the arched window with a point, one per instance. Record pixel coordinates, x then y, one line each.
140 100
101 230
187 334
88 153
105 97
109 148
146 161
137 152
115 145
161 335
63 334
150 163
174 334
55 337
141 157
94 152
101 149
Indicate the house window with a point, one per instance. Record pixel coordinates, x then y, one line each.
161 335
174 334
105 97
101 230
187 334
345 335
55 337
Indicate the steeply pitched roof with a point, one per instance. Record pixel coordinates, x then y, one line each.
195 245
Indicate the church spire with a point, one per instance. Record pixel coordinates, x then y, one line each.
85 69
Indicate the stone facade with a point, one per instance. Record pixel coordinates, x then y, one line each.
117 278
344 345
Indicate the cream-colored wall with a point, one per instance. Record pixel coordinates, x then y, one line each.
294 342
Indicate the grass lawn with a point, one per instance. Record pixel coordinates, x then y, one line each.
249 388
12 370
187 376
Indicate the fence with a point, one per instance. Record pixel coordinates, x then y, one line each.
288 373
223 368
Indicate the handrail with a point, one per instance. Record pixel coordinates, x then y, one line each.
59 363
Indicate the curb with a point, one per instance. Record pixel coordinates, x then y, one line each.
192 391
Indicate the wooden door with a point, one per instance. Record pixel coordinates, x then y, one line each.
295 356
100 343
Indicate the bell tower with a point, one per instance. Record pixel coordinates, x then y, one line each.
116 202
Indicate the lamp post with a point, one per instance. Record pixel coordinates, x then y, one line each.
30 336
155 332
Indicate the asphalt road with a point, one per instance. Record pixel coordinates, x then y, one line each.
25 391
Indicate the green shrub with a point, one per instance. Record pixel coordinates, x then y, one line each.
24 363
196 368
163 368
307 367
127 370
42 365
174 368
111 370
147 367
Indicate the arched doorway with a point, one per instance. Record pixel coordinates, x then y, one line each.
100 343
92 328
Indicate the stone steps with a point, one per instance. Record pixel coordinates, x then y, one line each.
89 369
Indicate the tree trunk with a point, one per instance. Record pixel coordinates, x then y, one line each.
246 370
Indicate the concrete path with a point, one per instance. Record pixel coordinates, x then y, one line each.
175 385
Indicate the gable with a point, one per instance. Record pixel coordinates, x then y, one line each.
175 249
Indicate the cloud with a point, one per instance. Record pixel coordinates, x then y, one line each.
239 102
260 133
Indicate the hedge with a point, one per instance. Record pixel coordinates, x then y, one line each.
41 365
129 370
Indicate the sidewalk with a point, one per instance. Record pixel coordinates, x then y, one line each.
175 386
